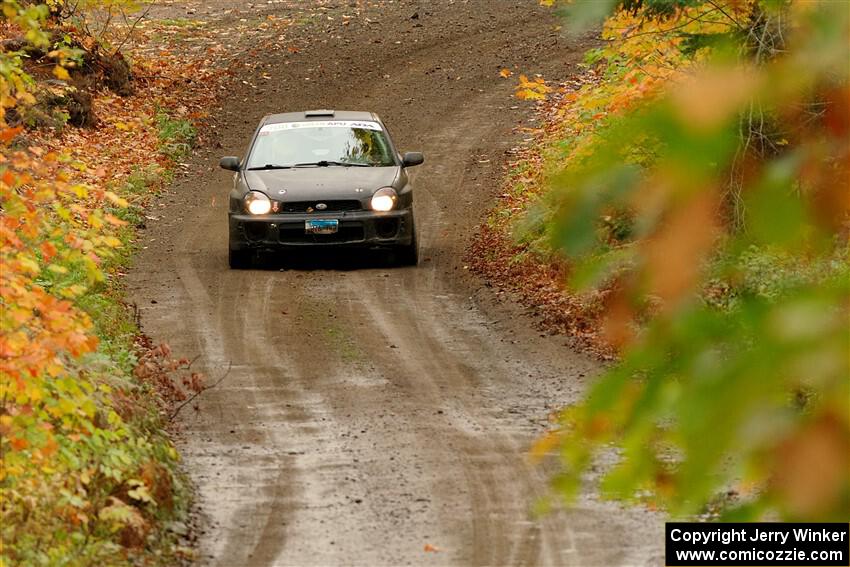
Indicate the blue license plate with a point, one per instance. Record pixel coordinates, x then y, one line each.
321 226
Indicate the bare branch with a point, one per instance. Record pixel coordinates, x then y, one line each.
684 24
133 27
198 393
728 16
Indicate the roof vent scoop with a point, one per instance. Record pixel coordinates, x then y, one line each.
323 112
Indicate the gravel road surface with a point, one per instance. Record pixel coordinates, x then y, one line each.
376 415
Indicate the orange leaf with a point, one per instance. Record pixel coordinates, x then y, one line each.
674 254
8 134
544 445
812 465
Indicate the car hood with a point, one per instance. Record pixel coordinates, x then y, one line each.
307 183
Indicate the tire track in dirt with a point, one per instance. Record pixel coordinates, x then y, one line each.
488 463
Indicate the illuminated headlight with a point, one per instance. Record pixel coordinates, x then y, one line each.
257 203
384 199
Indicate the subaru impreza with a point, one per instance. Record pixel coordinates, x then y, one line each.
321 178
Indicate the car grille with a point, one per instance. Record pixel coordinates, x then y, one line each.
332 206
298 236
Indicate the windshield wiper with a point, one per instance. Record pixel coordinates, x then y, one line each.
270 166
326 163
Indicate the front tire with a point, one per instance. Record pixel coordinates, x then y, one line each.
409 255
239 259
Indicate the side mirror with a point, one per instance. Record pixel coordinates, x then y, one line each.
412 158
230 163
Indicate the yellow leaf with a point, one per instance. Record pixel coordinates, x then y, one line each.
73 291
28 263
505 73
25 97
532 89
66 406
140 491
528 94
61 73
115 199
57 269
55 370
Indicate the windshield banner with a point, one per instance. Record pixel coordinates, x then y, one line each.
322 124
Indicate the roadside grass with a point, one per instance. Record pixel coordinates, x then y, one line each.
180 22
176 136
114 321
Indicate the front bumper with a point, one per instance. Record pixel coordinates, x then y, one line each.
364 229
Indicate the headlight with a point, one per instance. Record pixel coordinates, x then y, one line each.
384 199
257 203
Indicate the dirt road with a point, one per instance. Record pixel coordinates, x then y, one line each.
371 411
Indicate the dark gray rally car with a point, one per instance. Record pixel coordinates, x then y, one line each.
321 178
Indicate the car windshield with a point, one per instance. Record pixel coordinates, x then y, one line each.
319 144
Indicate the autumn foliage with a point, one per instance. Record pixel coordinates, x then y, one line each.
699 188
87 474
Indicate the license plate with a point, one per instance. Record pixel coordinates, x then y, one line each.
321 226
